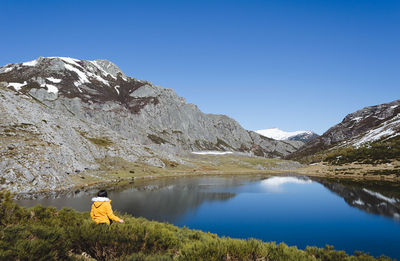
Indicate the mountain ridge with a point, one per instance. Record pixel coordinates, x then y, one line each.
369 125
61 117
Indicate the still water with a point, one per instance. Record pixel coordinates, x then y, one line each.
295 210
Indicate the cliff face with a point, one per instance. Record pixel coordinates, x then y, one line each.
61 116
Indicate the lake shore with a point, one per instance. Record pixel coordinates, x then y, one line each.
115 173
385 172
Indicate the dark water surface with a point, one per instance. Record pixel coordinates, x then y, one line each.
295 210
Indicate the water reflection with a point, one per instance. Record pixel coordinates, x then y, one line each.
290 209
169 199
276 184
375 197
160 199
166 203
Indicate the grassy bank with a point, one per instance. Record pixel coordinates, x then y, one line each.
357 171
41 233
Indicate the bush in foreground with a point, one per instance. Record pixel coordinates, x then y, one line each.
41 233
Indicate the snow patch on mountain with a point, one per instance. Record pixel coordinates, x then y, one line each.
278 134
68 60
387 129
212 152
54 80
82 76
16 85
30 63
116 89
5 70
103 71
50 88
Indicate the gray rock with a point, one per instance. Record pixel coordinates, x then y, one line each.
101 113
155 162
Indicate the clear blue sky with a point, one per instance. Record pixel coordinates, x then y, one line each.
287 64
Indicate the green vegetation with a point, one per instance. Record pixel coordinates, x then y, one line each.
103 141
382 151
41 233
100 141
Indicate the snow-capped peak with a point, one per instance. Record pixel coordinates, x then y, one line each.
66 75
278 134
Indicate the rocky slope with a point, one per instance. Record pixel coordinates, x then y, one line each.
370 125
63 116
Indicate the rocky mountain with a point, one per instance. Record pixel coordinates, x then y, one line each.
370 125
61 116
278 134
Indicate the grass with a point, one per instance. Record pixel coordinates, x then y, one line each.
103 141
383 171
45 233
99 141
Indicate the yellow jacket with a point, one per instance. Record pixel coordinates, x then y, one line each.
101 211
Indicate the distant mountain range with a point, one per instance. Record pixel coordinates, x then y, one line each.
278 134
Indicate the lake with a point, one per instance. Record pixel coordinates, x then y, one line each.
296 210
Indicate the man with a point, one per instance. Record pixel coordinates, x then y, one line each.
101 211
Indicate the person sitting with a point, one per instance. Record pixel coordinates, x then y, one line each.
101 211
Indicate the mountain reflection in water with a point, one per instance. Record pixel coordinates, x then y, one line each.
375 197
169 199
165 203
160 199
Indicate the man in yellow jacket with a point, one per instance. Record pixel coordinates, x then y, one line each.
101 211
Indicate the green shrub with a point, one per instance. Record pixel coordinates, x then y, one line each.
10 213
33 242
143 257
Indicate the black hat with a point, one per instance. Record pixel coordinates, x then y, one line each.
102 193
